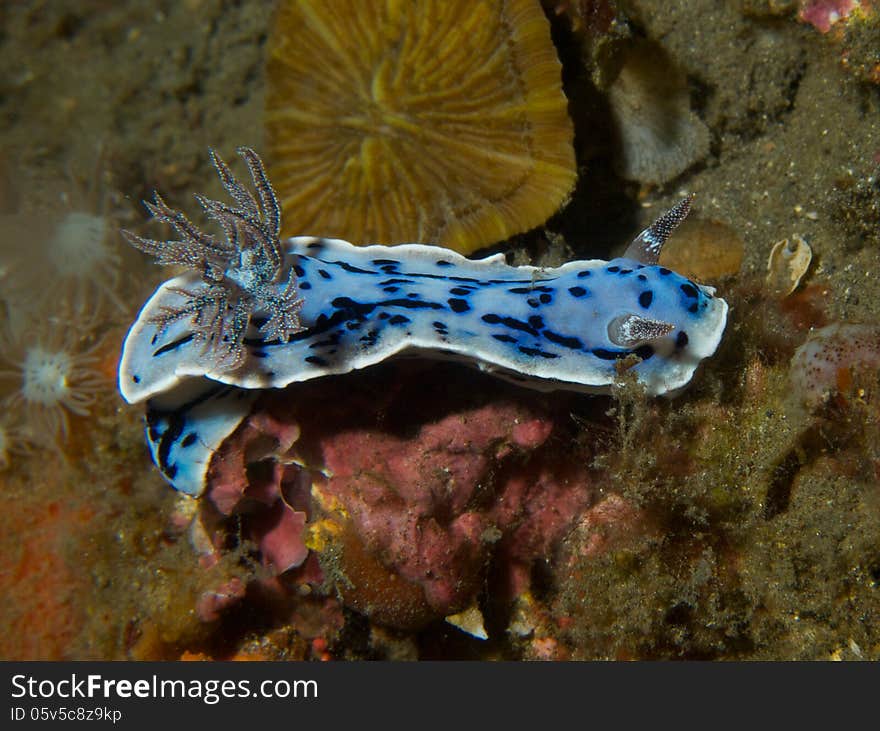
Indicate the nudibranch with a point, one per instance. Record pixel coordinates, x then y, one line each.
254 313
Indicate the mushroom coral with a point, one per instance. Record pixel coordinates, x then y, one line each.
439 121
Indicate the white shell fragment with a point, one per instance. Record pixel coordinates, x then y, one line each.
788 262
470 621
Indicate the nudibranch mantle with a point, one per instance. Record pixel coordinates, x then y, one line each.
569 327
548 328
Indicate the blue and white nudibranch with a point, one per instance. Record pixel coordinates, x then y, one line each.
255 313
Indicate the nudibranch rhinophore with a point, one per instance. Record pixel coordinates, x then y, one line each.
255 313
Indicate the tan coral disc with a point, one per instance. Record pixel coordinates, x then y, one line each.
437 121
704 250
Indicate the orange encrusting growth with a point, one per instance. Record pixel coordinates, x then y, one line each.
439 121
43 608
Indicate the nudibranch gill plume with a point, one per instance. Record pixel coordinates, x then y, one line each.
254 313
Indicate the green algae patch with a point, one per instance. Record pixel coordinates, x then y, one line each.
761 525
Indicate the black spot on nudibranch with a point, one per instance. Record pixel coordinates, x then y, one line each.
136 379
370 338
641 278
664 271
605 354
443 263
645 298
350 267
585 273
536 352
564 340
174 345
643 351
511 322
694 308
528 290
189 440
391 290
460 291
300 272
577 291
458 305
612 269
316 360
399 320
681 339
505 338
304 285
536 321
324 273
546 299
328 342
380 262
689 289
347 303
413 304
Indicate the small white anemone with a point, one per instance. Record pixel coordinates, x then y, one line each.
56 377
83 249
79 246
66 243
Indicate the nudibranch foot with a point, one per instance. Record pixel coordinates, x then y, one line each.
187 425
